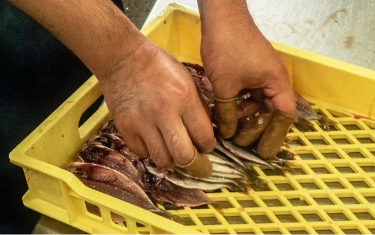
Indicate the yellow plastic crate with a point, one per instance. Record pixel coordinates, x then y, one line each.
331 191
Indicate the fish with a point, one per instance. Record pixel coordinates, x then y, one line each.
109 127
179 177
211 179
304 109
168 192
188 182
151 167
116 161
241 153
229 155
217 158
113 183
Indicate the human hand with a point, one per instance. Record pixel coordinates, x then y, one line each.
238 58
152 97
156 109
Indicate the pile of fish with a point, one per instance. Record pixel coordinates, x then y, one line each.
106 164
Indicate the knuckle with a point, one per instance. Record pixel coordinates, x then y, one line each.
160 157
163 160
178 150
156 152
207 144
173 138
279 70
183 93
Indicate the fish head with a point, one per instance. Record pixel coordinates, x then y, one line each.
79 169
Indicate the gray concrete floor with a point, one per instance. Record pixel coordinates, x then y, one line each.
137 11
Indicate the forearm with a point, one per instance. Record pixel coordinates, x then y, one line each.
95 30
218 13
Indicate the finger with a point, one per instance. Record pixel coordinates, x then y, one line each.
207 108
226 116
285 102
199 166
136 145
157 149
250 130
182 150
275 134
199 128
247 108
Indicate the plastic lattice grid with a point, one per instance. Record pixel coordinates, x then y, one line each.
331 191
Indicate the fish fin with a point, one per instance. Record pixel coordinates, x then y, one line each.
167 214
303 125
285 154
326 122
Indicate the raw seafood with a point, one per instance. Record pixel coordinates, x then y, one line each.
113 183
110 167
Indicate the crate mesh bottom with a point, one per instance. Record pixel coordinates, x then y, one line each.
331 191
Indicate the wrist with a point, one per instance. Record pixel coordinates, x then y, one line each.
223 11
132 65
220 17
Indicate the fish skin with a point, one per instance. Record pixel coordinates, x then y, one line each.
166 191
285 154
210 179
128 154
229 155
160 173
239 152
225 169
225 161
109 127
217 158
115 160
118 142
228 176
115 184
304 109
187 182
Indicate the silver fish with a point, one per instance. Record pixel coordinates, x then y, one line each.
160 173
229 155
217 158
225 169
188 182
228 176
239 152
211 179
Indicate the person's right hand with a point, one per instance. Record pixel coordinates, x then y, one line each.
238 58
156 108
